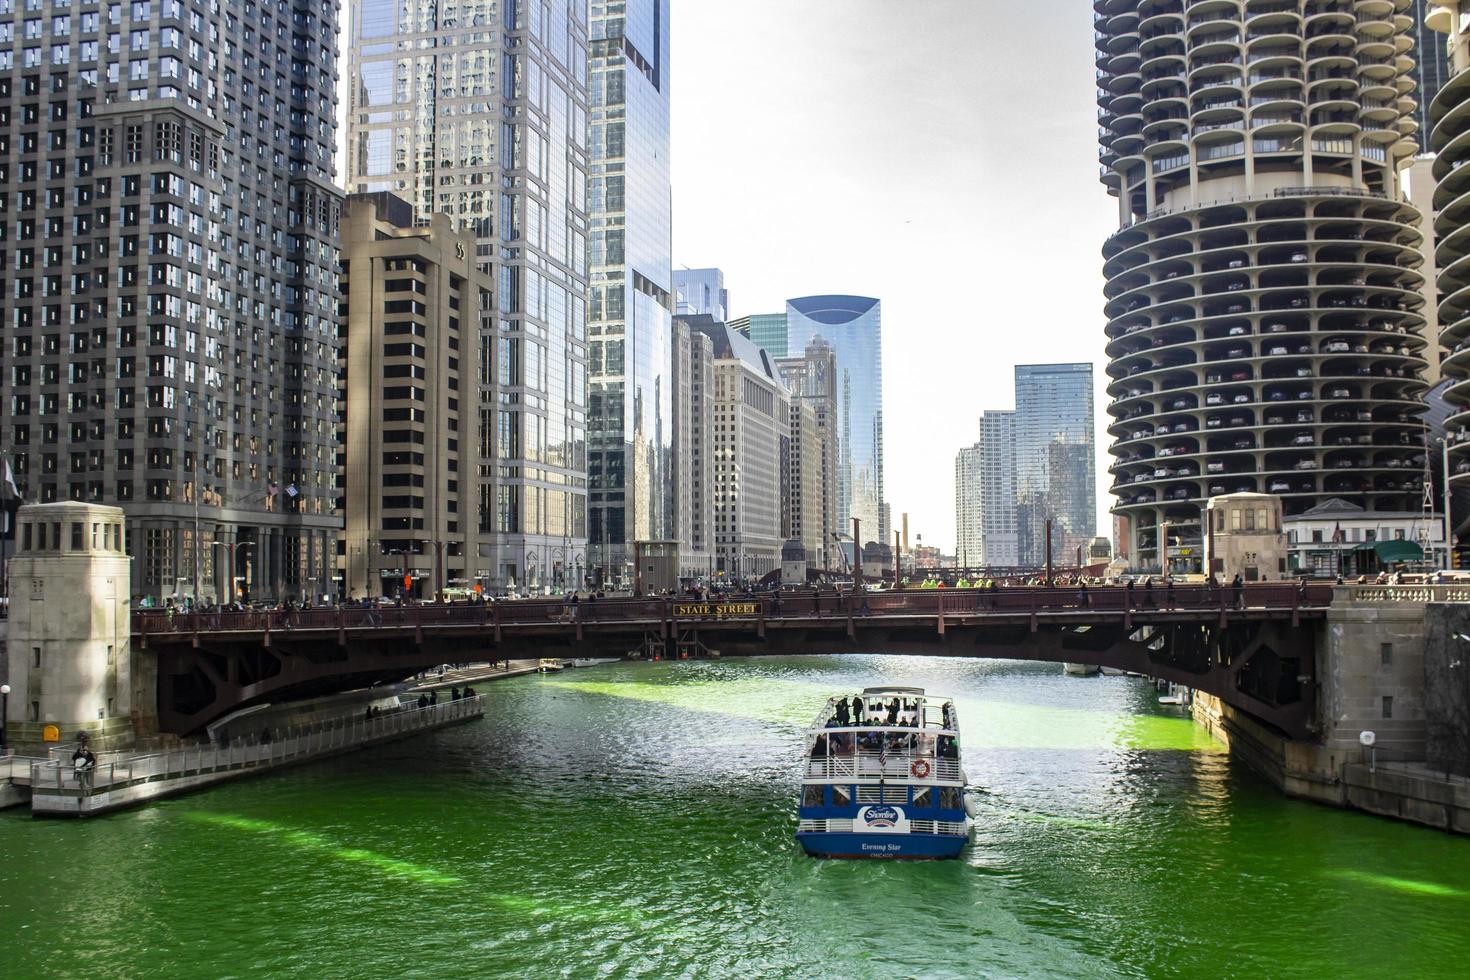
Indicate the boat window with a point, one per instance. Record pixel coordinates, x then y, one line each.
922 797
895 794
870 794
841 795
811 796
949 798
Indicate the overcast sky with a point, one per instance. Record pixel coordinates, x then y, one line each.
938 154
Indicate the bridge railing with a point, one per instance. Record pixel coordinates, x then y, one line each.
798 604
121 771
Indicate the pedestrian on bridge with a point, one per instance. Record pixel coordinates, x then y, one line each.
1129 590
1084 598
1238 585
1169 591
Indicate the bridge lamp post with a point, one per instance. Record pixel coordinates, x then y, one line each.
1449 543
4 716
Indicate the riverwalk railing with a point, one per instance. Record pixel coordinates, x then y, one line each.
120 772
1417 592
13 767
802 604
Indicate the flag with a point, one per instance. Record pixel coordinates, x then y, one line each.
8 489
271 489
1337 533
882 751
291 490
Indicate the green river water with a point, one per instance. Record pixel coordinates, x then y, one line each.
637 820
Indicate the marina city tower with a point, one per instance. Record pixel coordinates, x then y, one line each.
1263 306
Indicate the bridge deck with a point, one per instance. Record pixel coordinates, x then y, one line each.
938 608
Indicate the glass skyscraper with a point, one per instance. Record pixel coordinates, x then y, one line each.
479 109
631 431
170 302
768 332
853 326
1056 469
701 291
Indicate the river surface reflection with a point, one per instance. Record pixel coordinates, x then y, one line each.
637 820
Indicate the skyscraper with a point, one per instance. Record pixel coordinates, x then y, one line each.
811 378
969 535
1432 68
853 326
1056 477
1448 114
1263 304
767 331
703 291
171 267
411 298
998 512
479 110
632 398
751 413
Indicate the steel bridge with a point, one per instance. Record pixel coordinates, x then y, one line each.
1255 649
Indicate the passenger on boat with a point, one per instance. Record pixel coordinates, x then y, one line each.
949 747
857 710
842 715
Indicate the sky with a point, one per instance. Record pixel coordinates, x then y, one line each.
940 155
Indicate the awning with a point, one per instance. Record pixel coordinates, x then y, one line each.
1392 551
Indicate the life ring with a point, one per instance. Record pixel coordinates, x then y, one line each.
919 768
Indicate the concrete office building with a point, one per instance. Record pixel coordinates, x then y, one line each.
811 379
751 420
1055 474
767 331
853 325
480 111
1263 301
701 291
169 304
630 445
1450 139
412 297
694 385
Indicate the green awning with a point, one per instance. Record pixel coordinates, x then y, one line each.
1391 551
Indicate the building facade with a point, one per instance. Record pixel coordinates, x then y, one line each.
1432 65
694 385
1263 301
169 307
1449 137
701 291
969 533
480 111
412 298
751 421
811 380
767 331
630 460
1056 478
998 510
853 325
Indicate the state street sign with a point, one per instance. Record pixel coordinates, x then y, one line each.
715 610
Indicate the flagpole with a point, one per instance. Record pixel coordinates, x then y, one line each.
198 563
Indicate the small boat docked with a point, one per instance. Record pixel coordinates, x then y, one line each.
882 778
549 665
591 661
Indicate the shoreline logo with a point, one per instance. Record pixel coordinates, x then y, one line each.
881 816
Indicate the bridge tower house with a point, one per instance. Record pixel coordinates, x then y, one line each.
69 650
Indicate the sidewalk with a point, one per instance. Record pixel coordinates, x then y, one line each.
473 674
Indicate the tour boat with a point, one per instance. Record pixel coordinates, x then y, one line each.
887 783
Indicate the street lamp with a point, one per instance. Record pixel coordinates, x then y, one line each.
4 713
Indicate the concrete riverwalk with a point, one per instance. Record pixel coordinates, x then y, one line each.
57 790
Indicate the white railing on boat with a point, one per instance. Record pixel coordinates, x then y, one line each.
896 767
844 826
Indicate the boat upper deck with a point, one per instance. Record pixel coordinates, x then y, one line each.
884 708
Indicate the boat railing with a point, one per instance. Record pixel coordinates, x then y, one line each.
843 825
867 765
